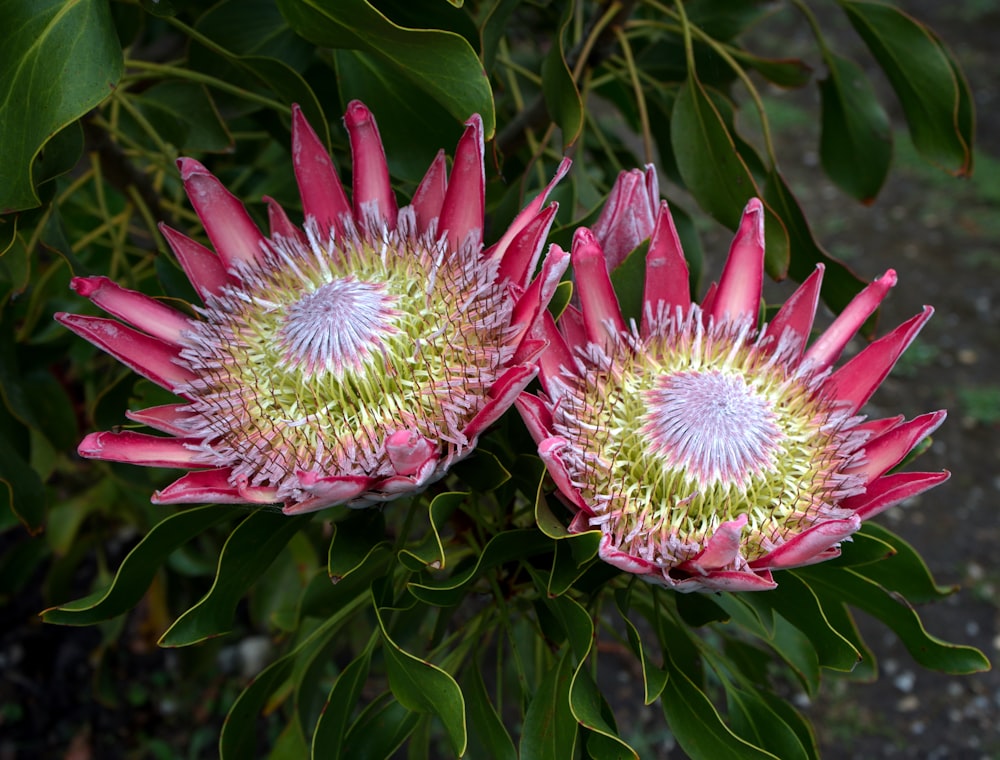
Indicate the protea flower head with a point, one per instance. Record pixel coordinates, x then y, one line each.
349 361
709 449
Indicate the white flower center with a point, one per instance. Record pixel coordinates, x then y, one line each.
336 326
713 425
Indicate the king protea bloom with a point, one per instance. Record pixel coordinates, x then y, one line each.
709 449
348 361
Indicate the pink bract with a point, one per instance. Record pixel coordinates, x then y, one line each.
708 449
351 360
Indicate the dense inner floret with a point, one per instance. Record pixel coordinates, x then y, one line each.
326 347
696 425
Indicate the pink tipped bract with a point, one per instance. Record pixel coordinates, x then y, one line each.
351 360
709 449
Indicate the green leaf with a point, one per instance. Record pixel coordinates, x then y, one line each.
482 471
255 28
862 549
573 556
784 72
592 711
715 173
654 677
904 572
59 59
696 723
486 726
21 488
550 730
331 728
430 553
440 63
503 547
137 570
755 721
855 143
412 130
380 729
935 98
189 105
562 98
423 687
629 280
247 553
796 602
354 539
896 613
840 284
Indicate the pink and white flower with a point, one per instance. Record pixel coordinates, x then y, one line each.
709 449
349 361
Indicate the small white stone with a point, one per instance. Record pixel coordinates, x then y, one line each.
905 681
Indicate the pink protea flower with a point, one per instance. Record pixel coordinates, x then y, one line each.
346 362
709 450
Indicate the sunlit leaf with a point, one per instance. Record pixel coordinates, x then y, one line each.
59 59
441 64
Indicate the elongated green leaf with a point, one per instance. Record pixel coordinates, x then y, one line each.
905 572
59 59
888 607
550 731
755 721
935 99
423 687
488 736
784 72
562 98
137 569
654 677
593 712
380 729
440 63
430 553
628 280
21 488
503 547
855 143
248 552
572 558
862 549
696 723
331 728
796 603
715 173
354 539
482 471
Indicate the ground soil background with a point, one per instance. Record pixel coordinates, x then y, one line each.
942 235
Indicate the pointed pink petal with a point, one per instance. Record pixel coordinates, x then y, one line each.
233 233
408 451
322 194
465 200
327 491
725 580
628 215
521 258
667 276
280 224
549 450
572 327
623 561
798 312
203 268
857 380
602 315
539 293
528 350
892 489
828 347
147 314
720 550
555 357
810 546
139 448
213 487
396 485
889 449
738 296
373 196
503 393
429 197
528 213
149 357
536 415
167 418
878 427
